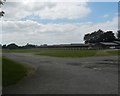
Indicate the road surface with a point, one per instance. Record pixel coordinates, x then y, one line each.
52 75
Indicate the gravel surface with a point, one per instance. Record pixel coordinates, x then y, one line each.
53 75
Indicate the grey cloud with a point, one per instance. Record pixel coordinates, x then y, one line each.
33 32
46 10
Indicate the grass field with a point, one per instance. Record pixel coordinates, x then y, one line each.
0 71
78 53
114 52
68 53
12 72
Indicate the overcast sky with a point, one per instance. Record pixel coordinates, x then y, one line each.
56 22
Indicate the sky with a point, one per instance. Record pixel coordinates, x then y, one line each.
56 22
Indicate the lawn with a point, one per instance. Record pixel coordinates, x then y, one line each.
78 53
0 71
114 52
67 53
12 72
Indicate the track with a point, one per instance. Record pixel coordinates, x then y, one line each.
91 75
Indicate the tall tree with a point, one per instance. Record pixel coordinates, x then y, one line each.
118 35
12 46
99 36
1 11
87 38
93 37
107 37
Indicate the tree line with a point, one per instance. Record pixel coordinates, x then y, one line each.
101 36
15 46
94 37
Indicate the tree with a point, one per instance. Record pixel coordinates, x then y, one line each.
12 46
118 35
27 46
2 13
87 38
99 36
107 37
93 37
2 3
4 46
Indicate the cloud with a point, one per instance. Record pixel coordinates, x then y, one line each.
46 10
105 16
65 10
23 32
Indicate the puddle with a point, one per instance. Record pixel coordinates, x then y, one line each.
110 60
99 65
92 67
108 63
75 64
45 61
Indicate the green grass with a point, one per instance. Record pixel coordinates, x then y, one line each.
77 53
114 52
0 71
67 53
12 72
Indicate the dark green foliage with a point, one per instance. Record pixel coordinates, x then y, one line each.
107 37
99 36
12 46
15 46
4 46
93 37
28 46
118 35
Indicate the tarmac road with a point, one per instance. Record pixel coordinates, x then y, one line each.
91 75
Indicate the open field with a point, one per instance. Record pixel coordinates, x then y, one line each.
0 75
72 75
67 53
56 75
78 53
12 72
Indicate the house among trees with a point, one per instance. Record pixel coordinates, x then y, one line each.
100 39
70 46
108 45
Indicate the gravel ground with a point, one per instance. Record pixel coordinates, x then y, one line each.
53 75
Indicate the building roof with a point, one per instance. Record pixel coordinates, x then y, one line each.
118 42
77 44
109 43
70 45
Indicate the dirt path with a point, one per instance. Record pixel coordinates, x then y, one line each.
91 75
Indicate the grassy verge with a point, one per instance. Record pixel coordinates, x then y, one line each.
114 52
78 53
67 53
0 71
12 72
